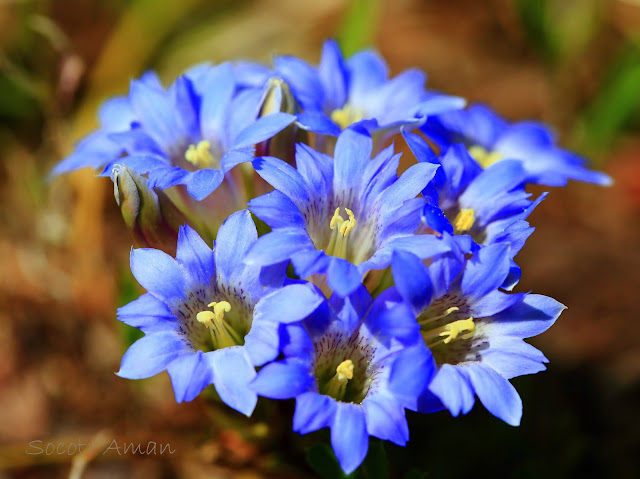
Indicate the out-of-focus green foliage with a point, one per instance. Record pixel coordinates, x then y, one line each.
616 103
359 26
560 28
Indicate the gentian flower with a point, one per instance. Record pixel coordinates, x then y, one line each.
189 134
475 332
197 314
341 217
491 139
489 205
338 93
346 367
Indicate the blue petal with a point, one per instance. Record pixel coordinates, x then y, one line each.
283 177
511 357
412 279
93 151
284 379
333 75
367 72
116 114
496 393
232 374
349 437
352 154
411 372
493 302
385 419
149 314
438 104
277 210
218 86
156 113
486 271
303 80
453 388
343 277
196 256
158 273
533 316
412 182
289 304
317 122
263 129
235 157
202 183
190 374
152 354
262 342
316 169
278 246
236 235
313 411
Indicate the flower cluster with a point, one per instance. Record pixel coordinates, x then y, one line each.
371 292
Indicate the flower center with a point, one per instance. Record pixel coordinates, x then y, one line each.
483 157
337 385
341 229
346 116
445 334
464 220
200 155
222 334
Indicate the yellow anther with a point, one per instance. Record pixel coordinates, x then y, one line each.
222 334
200 155
483 157
346 116
344 227
463 328
337 385
345 370
220 308
464 220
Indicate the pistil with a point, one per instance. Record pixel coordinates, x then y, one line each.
337 385
222 334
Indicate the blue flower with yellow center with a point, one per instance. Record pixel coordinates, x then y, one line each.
489 205
475 331
490 139
353 365
189 134
343 216
197 314
338 93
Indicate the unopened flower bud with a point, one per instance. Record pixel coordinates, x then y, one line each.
149 213
278 98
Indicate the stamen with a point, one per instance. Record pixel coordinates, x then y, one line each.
200 156
337 385
461 329
346 116
341 229
452 309
222 334
464 220
483 157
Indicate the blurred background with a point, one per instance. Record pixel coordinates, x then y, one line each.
64 248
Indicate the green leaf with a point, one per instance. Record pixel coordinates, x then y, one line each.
375 465
359 26
322 460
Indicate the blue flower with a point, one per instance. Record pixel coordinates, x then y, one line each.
489 205
197 314
338 92
189 134
491 139
347 366
344 216
475 332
